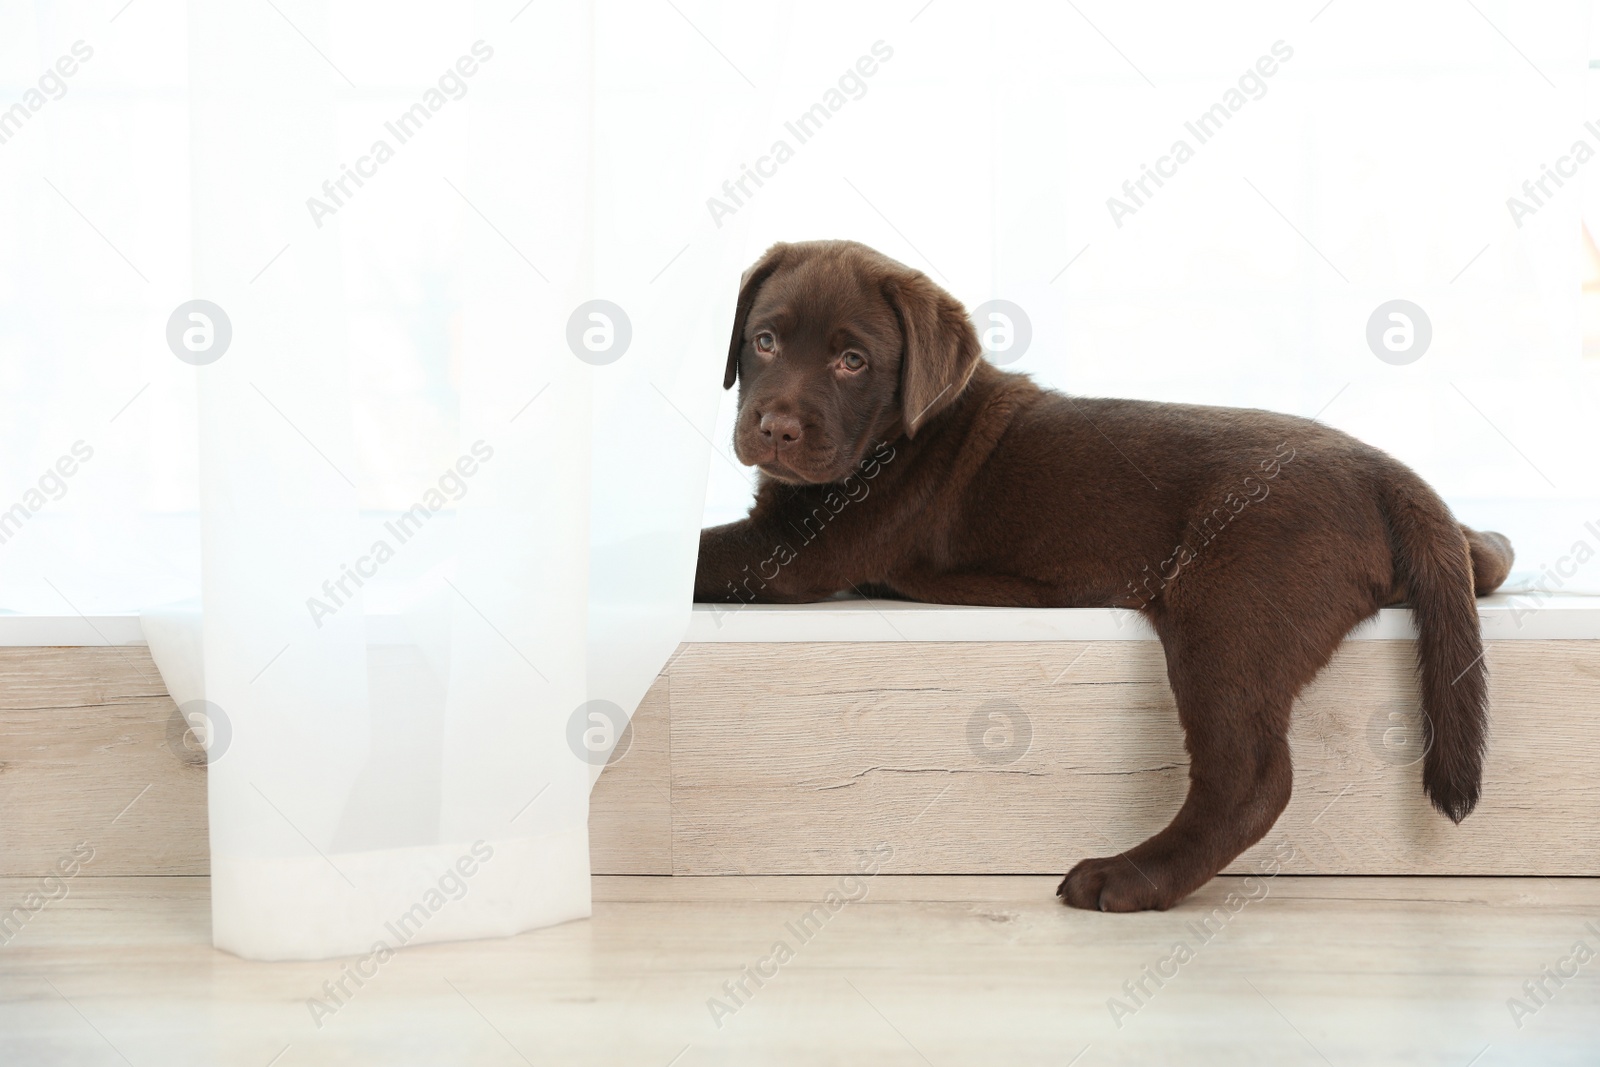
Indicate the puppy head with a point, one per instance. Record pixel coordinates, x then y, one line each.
837 347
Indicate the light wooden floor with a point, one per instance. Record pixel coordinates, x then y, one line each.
922 970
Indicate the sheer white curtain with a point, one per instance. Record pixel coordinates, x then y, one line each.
412 748
394 331
393 615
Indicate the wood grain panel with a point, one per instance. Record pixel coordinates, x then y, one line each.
630 809
800 758
84 758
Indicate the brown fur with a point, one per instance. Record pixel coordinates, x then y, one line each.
1253 542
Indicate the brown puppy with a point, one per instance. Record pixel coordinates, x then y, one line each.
1253 542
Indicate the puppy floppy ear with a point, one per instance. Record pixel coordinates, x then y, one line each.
749 286
941 347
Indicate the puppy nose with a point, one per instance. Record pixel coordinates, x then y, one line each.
780 431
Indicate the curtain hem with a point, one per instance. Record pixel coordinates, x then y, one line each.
285 908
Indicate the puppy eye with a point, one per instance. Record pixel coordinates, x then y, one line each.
854 361
765 342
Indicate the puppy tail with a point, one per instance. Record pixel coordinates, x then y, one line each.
1439 564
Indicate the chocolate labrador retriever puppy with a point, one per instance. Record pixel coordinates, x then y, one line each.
1252 542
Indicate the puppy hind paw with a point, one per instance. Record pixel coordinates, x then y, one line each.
1111 883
